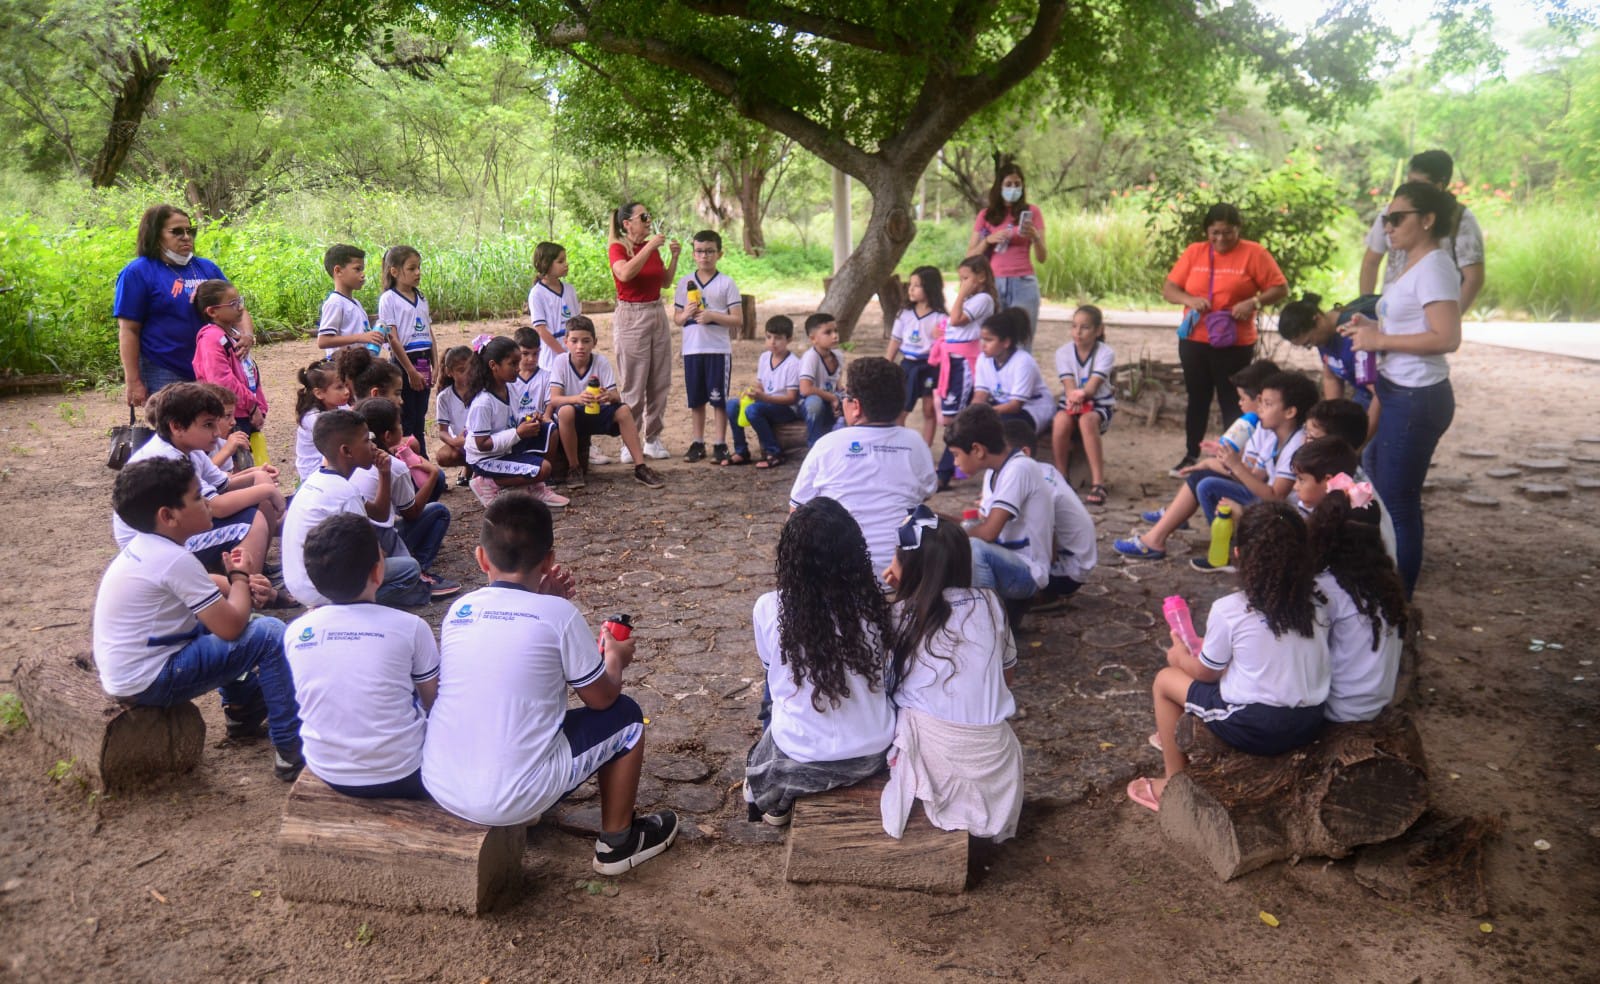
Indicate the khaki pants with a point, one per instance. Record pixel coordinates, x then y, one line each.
642 338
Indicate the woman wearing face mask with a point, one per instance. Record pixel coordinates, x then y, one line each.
1221 273
1010 232
156 319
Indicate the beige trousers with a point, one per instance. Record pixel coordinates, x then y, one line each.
642 337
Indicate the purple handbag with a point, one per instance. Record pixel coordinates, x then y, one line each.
1221 329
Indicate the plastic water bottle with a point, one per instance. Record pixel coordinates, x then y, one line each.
970 518
1366 368
744 409
620 626
593 409
381 329
1238 435
1004 244
1221 537
1176 611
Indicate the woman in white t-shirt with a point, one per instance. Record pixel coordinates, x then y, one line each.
1419 322
821 638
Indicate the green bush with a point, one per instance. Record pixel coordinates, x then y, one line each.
1098 255
1542 259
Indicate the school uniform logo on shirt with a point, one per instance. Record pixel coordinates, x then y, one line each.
307 634
855 448
465 612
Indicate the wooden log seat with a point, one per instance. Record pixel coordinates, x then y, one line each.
1360 783
838 837
399 854
118 747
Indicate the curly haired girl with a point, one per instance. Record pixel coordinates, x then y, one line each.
1366 602
821 637
1261 676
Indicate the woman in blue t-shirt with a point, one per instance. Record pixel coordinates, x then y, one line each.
156 319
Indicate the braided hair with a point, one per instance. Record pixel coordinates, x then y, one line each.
1347 543
1275 567
833 619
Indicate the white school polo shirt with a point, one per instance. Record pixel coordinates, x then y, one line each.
413 324
548 308
916 333
307 459
1075 372
529 396
1017 487
402 490
145 611
1072 531
958 675
324 493
877 473
355 667
342 315
1018 379
494 753
1258 668
1362 677
862 724
449 412
572 382
719 294
211 478
813 368
1283 464
1261 451
488 415
778 379
977 308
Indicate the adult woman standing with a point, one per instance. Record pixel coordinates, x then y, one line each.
1011 233
156 321
1419 321
1221 273
641 334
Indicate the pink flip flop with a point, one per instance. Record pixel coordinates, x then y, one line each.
1143 792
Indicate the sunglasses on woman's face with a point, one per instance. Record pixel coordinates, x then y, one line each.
1394 217
182 232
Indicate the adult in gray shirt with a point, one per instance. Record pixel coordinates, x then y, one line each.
1464 246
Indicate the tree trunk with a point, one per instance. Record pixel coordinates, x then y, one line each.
143 72
750 207
838 837
890 229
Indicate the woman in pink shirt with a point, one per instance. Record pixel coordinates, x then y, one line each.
1011 233
641 334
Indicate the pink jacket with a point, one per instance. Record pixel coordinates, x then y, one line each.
217 361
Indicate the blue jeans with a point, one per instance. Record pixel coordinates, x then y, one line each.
1210 488
1002 569
157 376
1022 292
423 535
402 584
764 419
1410 423
251 666
819 419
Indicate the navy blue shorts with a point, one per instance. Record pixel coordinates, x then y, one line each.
409 788
597 737
1256 729
603 422
524 460
921 378
706 378
960 392
226 533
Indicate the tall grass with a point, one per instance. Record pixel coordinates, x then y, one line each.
1100 255
1542 259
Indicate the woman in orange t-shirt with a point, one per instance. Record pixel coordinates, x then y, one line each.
1247 279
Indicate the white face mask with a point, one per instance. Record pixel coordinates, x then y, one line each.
1012 194
177 259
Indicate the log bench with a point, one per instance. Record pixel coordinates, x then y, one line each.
117 747
838 837
399 854
1360 783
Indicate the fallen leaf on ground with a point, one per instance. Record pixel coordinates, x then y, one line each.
1269 919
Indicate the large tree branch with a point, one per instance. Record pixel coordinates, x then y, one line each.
832 28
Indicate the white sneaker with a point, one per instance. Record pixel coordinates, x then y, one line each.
597 456
627 456
655 449
549 496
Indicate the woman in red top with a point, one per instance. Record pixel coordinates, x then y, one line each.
1010 232
1246 279
641 333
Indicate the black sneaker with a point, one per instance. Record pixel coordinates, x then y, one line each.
650 836
244 721
442 587
1203 565
647 477
287 762
464 479
1187 460
696 452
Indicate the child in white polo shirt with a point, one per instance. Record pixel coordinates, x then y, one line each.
502 747
1072 531
1013 544
774 399
346 444
876 469
578 407
364 675
1008 379
707 304
820 370
166 632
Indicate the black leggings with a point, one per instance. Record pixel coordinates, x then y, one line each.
1206 371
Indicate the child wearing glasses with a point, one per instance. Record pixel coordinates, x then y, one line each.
706 305
953 663
220 350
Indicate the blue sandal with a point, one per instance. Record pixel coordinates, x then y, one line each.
1135 548
1154 516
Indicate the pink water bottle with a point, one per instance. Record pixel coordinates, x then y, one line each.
1176 611
1366 368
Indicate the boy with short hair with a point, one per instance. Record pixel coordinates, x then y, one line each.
166 632
576 409
414 527
346 444
1013 543
706 305
531 389
501 746
820 370
1075 553
775 397
360 670
344 320
873 467
246 509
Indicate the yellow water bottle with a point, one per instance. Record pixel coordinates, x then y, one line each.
1221 537
593 389
258 449
744 409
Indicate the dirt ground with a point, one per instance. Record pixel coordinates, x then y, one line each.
178 882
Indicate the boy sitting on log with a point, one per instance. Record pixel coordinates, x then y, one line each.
166 632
